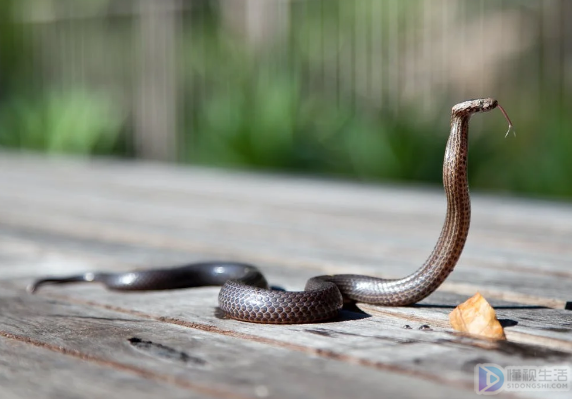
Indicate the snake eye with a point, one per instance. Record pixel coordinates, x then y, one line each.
487 104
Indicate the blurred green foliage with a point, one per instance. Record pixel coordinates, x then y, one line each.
75 121
252 113
261 115
249 111
45 117
268 121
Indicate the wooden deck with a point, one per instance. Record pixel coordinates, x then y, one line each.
62 217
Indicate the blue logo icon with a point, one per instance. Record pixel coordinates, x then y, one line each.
489 379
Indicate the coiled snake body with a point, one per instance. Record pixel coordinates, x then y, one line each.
245 294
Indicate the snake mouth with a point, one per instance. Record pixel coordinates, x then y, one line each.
466 108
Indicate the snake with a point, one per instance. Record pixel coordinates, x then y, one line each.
246 296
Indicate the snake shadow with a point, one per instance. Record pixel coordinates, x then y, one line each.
350 311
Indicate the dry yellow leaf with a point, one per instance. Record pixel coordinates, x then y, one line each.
476 316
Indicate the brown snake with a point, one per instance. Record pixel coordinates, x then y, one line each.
245 294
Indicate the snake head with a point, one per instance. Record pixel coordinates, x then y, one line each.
472 106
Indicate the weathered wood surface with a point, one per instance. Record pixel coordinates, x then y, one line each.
62 217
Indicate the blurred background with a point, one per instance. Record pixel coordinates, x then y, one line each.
356 89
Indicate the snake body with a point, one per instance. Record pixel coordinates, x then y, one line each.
245 295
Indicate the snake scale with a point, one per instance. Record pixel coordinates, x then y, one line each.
245 295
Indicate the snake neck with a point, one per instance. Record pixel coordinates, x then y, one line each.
455 229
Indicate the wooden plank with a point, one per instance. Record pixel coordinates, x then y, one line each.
210 364
29 371
160 180
401 206
551 328
401 228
